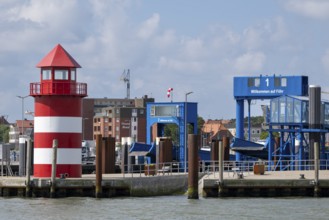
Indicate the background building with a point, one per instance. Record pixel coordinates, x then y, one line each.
100 117
121 122
214 130
24 127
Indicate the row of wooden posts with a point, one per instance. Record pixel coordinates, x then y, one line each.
193 167
105 149
104 144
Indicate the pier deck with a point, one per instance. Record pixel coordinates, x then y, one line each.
278 183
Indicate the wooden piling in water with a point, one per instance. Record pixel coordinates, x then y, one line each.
28 168
316 169
214 154
53 170
98 192
193 167
221 167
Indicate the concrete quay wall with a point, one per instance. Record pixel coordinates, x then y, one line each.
272 184
111 187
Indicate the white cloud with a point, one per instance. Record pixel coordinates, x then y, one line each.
180 65
325 61
318 9
250 62
149 27
280 31
192 48
108 36
253 38
165 40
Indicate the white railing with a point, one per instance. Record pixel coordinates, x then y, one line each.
247 167
139 170
231 168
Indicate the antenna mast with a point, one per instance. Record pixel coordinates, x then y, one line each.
125 77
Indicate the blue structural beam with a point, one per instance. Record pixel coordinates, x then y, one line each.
239 123
162 113
264 87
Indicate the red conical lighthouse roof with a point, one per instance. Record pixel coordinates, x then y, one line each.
58 57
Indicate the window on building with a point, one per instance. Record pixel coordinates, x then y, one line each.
73 74
280 82
110 128
117 120
98 128
106 120
117 137
117 128
110 120
95 120
135 111
61 75
141 111
46 74
253 82
135 128
118 111
135 119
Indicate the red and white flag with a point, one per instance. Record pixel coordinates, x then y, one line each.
169 91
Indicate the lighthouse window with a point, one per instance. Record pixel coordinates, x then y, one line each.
46 74
73 74
61 74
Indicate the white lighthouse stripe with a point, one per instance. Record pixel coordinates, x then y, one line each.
57 124
64 155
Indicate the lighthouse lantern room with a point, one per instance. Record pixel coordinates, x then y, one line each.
58 114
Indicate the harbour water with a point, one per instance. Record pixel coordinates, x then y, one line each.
167 207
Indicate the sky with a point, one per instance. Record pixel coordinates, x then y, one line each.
188 45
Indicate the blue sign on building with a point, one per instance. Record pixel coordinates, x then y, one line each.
267 87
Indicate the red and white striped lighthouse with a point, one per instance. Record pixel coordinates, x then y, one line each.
58 114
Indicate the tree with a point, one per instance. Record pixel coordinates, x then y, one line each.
171 130
4 133
201 122
264 135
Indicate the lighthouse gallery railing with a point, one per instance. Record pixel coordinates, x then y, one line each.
58 88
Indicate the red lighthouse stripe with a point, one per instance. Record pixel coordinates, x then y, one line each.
44 170
57 106
65 140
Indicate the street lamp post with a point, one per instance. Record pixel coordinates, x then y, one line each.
185 127
22 97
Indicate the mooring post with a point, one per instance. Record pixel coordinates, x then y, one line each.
98 193
28 168
214 154
22 156
221 167
193 167
53 170
316 169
